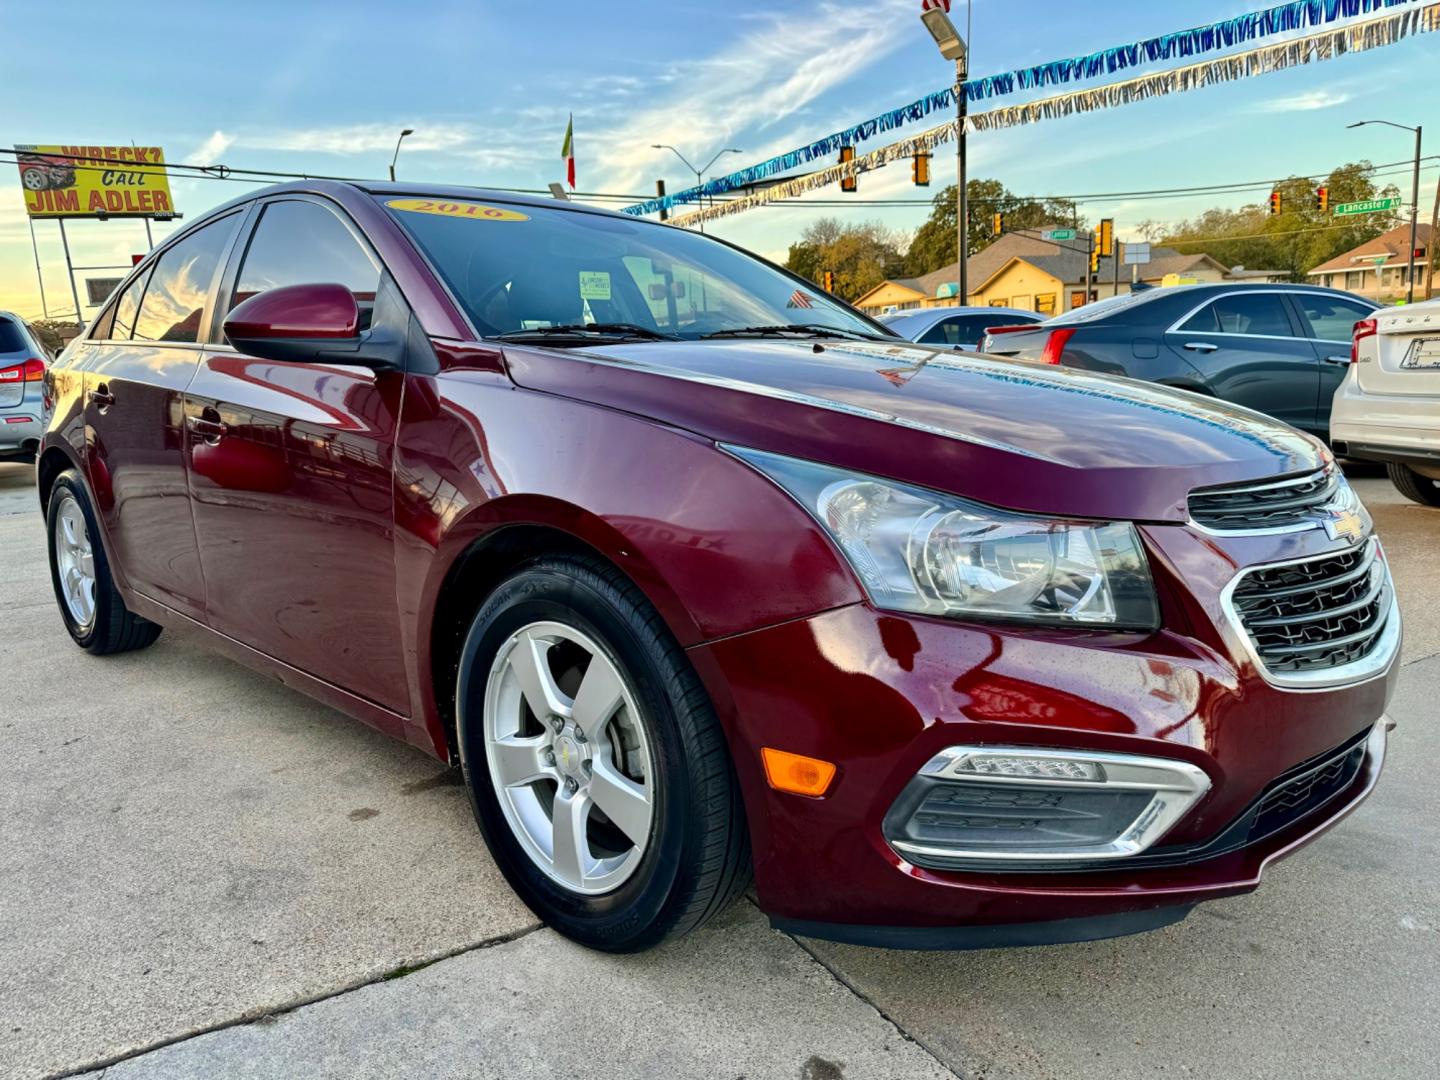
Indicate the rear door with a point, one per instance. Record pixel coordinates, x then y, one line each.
146 353
290 473
1329 323
1251 349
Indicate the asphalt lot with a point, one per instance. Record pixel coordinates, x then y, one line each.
204 874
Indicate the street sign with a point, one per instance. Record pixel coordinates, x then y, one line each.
1367 206
1137 253
1057 234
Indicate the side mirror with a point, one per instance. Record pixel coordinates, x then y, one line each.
298 323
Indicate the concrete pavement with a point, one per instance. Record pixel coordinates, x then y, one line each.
203 874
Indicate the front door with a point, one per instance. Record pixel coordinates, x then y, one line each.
1250 350
291 475
142 355
1330 324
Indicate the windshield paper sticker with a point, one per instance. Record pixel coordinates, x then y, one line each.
594 285
473 211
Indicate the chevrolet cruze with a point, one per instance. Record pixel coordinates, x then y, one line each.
703 577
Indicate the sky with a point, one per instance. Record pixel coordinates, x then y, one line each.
487 88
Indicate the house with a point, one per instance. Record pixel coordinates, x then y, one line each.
1022 271
1379 268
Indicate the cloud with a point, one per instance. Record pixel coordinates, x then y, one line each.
1309 101
360 138
211 150
774 70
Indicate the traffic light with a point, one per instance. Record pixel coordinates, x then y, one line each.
1274 203
1322 199
1095 251
828 278
997 223
920 170
1107 237
847 153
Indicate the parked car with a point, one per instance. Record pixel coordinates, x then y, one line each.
1279 349
957 327
1387 408
22 390
648 537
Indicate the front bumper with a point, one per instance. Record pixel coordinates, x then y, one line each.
881 695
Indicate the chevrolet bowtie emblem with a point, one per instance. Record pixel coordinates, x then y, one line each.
1344 525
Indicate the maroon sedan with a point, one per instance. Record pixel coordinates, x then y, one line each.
700 575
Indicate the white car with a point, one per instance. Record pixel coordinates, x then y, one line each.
1388 406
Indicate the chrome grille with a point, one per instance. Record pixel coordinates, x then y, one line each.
1279 504
1317 614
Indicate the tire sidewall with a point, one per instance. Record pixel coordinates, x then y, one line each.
550 592
69 483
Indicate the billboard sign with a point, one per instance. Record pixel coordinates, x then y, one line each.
94 181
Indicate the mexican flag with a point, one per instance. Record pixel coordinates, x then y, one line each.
567 152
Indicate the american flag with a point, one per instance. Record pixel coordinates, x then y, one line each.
800 300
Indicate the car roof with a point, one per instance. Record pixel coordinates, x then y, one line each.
927 316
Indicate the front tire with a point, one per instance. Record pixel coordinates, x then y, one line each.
90 605
1412 485
596 767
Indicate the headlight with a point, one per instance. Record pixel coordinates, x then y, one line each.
923 551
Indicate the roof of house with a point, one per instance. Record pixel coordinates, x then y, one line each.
1394 244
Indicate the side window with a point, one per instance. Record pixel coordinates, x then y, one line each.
945 332
303 243
1261 314
179 287
120 319
1331 318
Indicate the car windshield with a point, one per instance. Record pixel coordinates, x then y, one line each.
524 270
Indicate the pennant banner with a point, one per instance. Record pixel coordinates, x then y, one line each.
1280 19
1359 37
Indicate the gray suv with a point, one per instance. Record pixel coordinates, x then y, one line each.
1278 349
23 406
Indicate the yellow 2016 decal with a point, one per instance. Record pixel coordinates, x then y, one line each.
445 208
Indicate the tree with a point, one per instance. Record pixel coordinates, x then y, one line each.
1295 240
860 256
934 242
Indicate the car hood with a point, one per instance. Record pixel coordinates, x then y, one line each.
1022 435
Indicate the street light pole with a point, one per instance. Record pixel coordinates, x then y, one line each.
396 156
1414 206
699 173
952 47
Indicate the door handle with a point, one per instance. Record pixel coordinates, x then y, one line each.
211 430
1200 346
1338 361
101 397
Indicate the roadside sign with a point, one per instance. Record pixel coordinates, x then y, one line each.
1057 234
94 181
1367 206
1137 253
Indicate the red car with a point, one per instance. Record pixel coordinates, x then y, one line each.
700 574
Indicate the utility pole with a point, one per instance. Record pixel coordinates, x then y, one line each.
41 277
70 270
1430 246
1115 248
1415 218
962 208
1089 255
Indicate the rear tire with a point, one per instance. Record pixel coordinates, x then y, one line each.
90 605
1412 485
681 853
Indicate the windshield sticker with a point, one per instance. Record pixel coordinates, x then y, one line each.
473 211
594 285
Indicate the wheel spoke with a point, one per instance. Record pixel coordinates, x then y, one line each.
625 802
518 761
569 848
600 694
86 562
529 661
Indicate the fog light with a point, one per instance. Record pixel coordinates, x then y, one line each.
989 763
796 773
992 805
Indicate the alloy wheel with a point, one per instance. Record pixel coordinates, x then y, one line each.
75 562
569 756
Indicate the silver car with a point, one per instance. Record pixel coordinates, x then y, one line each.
22 386
955 327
